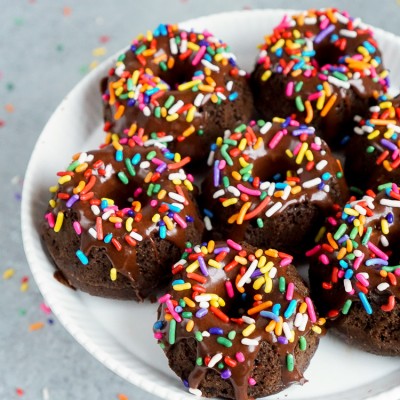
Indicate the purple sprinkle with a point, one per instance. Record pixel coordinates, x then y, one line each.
203 266
226 374
216 173
221 249
308 131
270 315
185 383
161 168
202 312
390 218
388 144
73 199
282 340
323 34
255 274
343 239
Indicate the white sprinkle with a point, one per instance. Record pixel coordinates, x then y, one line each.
300 171
176 197
248 273
205 334
234 191
242 72
341 18
348 33
367 129
180 262
271 189
347 285
270 212
360 209
339 83
198 100
264 185
204 304
374 109
183 46
178 205
214 360
45 394
207 223
356 22
136 236
144 164
303 325
173 46
298 320
265 128
272 272
384 241
206 98
107 215
248 320
358 130
327 188
197 249
119 70
196 392
227 133
310 20
390 203
311 183
108 170
249 342
396 128
173 109
229 86
356 77
218 193
203 297
177 175
210 65
357 118
93 233
210 159
357 253
150 142
82 158
221 96
286 330
95 209
382 286
317 140
286 192
321 165
146 111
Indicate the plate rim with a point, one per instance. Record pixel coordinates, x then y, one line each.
76 331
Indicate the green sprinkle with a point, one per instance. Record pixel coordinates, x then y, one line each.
385 186
141 49
121 57
230 142
350 256
162 345
187 314
261 123
246 177
226 156
182 303
163 66
299 104
290 362
72 166
339 175
390 268
340 76
260 223
199 361
151 155
224 341
129 167
150 189
198 336
346 306
340 232
157 188
354 233
220 365
282 284
263 195
370 149
366 236
225 181
356 190
169 102
302 343
200 132
123 178
241 128
232 335
246 169
157 112
172 331
298 86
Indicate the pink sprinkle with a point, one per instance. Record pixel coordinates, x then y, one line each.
286 261
323 77
251 192
239 356
190 177
252 381
164 298
341 274
324 259
50 219
229 289
315 146
289 89
290 291
137 140
234 245
397 272
377 251
180 221
275 140
45 308
352 291
171 309
313 251
222 164
157 161
358 262
158 335
199 55
307 73
332 221
153 203
324 23
297 149
311 310
314 96
395 154
137 192
77 227
361 278
118 225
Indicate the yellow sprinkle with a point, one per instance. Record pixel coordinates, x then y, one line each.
389 133
177 182
258 283
258 253
248 330
213 263
243 163
193 46
351 211
182 286
190 114
188 184
321 101
230 202
168 222
93 64
303 307
385 226
385 104
214 303
295 190
113 274
271 326
204 250
241 260
189 325
115 220
262 259
316 329
219 141
172 117
292 336
156 218
53 189
267 267
59 221
64 179
79 187
117 145
289 153
221 302
193 266
189 302
128 224
210 246
189 131
242 212
268 284
327 88
8 273
242 145
52 203
280 43
266 75
161 194
373 134
188 85
349 246
271 252
309 155
24 286
99 51
320 233
300 155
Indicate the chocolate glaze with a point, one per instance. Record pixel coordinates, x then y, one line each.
234 308
267 162
361 91
209 118
328 288
109 186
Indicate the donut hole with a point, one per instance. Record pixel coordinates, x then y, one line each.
238 305
123 196
182 72
327 54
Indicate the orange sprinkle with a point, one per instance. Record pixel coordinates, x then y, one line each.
310 112
259 308
36 326
329 105
122 397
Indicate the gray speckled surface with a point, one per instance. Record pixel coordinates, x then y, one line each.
45 49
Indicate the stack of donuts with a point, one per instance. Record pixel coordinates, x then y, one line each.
212 184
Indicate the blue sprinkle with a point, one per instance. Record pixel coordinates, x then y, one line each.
216 331
82 257
103 204
270 315
343 264
233 96
276 309
136 159
349 274
163 232
326 176
178 309
365 302
158 325
390 218
178 282
208 213
376 261
290 309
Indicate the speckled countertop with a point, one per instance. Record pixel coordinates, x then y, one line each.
46 47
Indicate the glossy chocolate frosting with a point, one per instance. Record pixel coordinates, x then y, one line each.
227 296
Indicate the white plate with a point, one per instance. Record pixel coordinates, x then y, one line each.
118 333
